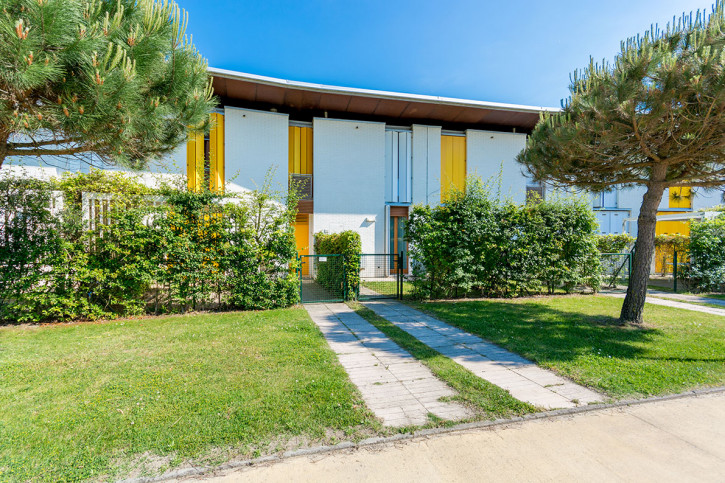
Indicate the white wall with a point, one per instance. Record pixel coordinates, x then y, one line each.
256 141
426 164
349 179
489 153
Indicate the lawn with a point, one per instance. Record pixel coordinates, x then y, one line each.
134 397
578 336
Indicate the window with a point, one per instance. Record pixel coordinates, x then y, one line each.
535 193
398 161
607 199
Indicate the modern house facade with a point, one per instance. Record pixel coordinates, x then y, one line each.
363 157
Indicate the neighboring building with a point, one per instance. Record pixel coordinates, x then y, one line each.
363 157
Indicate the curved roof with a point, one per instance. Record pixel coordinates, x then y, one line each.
305 97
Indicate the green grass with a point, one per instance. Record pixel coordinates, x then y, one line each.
485 399
387 287
579 337
134 397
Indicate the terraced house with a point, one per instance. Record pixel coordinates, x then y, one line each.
363 157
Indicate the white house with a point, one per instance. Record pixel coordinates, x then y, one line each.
364 156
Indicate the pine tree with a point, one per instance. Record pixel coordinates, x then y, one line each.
655 118
110 81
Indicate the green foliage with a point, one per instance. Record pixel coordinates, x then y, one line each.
195 250
707 255
476 244
615 243
348 244
118 79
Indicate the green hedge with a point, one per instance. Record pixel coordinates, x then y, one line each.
193 251
346 243
707 255
477 245
619 243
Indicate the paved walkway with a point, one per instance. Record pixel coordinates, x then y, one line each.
395 386
674 304
521 377
680 440
687 297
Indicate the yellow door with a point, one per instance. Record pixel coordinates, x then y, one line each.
453 165
302 239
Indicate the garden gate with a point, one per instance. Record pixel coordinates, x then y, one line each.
337 278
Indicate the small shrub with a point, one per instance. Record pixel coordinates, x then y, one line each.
707 255
615 243
348 244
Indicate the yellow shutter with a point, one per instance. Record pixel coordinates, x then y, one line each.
680 197
195 160
453 164
216 153
302 240
300 150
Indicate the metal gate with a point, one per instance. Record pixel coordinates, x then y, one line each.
326 278
381 276
322 278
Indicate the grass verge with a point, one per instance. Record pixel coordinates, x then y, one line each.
579 336
138 397
487 400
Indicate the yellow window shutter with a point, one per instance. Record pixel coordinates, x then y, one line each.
216 153
680 197
453 164
195 160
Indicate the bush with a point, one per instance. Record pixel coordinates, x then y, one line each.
619 243
707 255
348 244
476 244
194 250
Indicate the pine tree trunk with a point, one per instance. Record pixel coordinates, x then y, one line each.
642 261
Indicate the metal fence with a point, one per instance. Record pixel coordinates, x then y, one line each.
380 276
617 268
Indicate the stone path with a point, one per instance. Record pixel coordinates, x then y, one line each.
687 297
523 379
395 386
674 304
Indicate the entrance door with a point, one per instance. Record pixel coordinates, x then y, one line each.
302 240
398 241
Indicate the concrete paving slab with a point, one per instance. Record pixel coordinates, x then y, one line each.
399 389
522 378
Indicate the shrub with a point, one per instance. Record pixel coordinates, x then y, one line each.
195 250
619 243
476 244
707 255
348 244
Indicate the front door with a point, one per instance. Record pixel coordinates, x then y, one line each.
398 241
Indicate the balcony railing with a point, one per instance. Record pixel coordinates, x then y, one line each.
303 183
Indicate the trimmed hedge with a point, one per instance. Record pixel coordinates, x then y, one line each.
477 245
346 243
707 255
193 251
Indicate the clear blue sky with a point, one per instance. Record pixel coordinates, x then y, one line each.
506 51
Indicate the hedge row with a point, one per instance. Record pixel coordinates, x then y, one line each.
477 245
193 251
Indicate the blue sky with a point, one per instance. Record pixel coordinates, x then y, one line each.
508 51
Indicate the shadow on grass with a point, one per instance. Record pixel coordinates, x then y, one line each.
543 333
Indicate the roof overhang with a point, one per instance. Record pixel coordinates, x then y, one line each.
255 91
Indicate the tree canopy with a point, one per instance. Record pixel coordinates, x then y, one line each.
111 81
654 117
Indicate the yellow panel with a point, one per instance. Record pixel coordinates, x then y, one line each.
195 160
300 150
680 197
678 227
302 239
216 141
453 164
